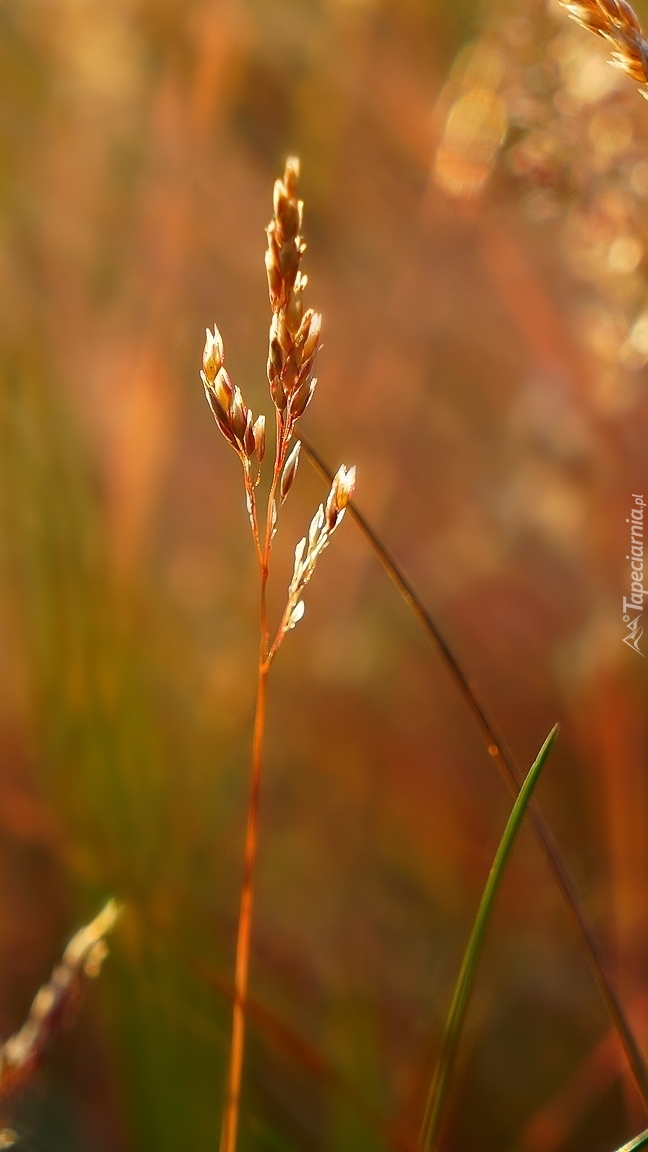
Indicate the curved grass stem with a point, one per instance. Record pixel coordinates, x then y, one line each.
640 1141
456 1015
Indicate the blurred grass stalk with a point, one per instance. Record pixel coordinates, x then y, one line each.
640 1141
456 1016
56 1001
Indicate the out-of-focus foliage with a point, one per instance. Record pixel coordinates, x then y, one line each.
499 434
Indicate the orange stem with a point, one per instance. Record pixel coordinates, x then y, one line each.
229 1129
233 1090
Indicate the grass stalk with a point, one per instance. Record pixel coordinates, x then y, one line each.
229 1127
456 1015
510 774
640 1141
293 343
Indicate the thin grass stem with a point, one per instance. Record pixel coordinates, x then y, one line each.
640 1141
511 776
229 1128
456 1015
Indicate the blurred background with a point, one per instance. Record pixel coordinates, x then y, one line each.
476 208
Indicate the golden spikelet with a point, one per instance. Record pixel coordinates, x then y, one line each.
617 23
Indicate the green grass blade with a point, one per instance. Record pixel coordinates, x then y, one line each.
467 973
508 770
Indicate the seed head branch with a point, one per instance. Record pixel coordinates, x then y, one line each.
324 523
617 23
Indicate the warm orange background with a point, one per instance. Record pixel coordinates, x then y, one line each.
497 452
